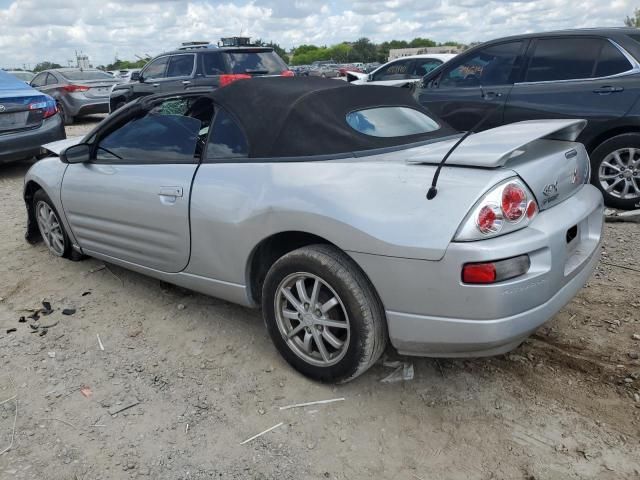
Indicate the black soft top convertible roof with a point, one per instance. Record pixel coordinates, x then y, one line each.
303 116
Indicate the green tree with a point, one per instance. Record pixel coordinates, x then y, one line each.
633 21
45 66
421 42
126 64
363 50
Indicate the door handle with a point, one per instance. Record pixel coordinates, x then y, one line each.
491 95
186 82
155 84
606 90
170 192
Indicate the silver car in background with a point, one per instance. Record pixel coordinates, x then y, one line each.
306 197
77 91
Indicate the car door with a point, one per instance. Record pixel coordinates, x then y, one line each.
180 72
131 200
574 77
151 78
395 72
474 85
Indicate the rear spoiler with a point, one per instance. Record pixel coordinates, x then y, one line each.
493 148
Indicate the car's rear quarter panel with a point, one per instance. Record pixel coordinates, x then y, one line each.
375 205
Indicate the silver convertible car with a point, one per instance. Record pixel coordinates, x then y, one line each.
308 197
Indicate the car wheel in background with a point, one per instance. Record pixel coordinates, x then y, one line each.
615 170
323 314
50 226
68 120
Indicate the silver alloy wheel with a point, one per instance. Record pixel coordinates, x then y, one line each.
312 319
50 228
619 173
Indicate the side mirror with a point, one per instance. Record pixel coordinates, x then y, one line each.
80 153
370 77
136 77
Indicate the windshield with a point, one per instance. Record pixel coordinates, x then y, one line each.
256 62
391 122
86 75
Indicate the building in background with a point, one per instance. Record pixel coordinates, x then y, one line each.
405 52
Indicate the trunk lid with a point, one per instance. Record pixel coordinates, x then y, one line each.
542 152
15 111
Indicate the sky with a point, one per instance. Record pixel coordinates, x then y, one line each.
35 30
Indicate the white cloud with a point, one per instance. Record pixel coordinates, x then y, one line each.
36 30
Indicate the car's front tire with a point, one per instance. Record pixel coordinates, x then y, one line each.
615 170
50 226
323 314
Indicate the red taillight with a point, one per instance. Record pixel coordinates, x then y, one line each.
287 73
496 271
489 219
49 107
75 88
228 79
514 202
479 273
532 209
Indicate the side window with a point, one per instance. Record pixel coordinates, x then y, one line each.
213 64
180 66
495 65
227 138
563 59
39 80
399 70
611 61
173 131
156 69
423 66
51 79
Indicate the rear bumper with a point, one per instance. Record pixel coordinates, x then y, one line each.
76 106
25 144
431 312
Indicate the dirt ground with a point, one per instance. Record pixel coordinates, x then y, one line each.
203 376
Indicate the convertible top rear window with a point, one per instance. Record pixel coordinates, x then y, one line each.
391 122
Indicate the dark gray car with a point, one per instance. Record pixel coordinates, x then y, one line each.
592 74
77 91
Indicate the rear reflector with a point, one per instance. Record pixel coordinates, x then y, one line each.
498 271
75 88
228 79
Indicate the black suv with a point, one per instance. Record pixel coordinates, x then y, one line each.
592 74
198 67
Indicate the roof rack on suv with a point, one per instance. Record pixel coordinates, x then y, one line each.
192 45
235 42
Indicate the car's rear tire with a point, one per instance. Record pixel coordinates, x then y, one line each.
615 170
68 120
50 227
331 325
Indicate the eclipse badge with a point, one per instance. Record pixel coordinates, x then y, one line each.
2 108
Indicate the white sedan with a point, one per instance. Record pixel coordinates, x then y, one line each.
401 71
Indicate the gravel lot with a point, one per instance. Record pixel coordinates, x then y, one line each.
202 377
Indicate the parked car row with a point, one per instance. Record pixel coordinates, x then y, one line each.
400 72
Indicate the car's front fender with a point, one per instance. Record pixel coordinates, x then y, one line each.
46 174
